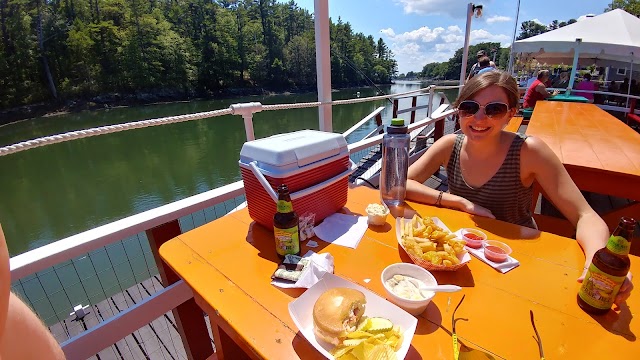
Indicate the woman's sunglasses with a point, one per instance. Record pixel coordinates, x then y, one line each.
493 109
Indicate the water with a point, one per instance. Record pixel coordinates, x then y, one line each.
56 191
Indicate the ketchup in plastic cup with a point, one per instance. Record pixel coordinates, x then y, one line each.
474 238
496 251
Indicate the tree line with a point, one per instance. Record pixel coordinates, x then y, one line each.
56 50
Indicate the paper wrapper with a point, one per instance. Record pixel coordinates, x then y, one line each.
320 264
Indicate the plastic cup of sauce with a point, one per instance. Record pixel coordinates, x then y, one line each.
496 251
474 238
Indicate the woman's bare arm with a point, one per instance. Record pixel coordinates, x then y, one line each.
591 231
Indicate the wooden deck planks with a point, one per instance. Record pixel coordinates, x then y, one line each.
157 340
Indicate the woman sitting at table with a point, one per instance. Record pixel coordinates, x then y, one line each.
586 84
491 171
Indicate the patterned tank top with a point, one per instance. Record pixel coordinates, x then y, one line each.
504 193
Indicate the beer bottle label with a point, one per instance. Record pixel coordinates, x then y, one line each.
287 241
599 289
618 245
284 206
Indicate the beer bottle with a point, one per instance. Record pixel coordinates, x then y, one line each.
285 225
607 271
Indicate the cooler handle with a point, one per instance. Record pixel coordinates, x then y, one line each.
298 194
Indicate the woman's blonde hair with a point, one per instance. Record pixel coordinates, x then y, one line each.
483 81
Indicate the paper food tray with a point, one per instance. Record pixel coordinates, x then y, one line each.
301 311
463 257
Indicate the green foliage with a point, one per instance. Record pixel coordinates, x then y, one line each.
531 28
630 6
451 69
177 46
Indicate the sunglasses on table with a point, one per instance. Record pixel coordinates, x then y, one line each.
491 110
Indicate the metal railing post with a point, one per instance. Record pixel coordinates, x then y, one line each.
323 63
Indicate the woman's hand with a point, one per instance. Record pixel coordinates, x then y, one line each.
625 289
471 208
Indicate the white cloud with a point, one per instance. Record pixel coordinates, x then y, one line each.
453 8
416 48
498 18
536 20
388 32
482 35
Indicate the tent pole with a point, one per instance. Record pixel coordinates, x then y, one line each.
513 39
574 68
465 49
630 77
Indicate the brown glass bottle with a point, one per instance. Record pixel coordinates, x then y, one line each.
285 225
607 271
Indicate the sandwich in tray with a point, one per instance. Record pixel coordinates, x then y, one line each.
343 320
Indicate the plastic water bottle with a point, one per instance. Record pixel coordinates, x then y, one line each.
395 163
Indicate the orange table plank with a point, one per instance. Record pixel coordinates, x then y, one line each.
600 152
228 264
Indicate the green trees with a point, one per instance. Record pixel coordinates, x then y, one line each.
451 69
630 6
82 48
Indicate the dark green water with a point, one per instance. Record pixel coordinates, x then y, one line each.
59 190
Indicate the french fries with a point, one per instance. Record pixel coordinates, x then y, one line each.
422 238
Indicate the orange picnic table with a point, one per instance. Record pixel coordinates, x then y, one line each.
228 264
600 152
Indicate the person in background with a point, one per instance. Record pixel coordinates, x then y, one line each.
22 335
532 79
491 171
537 91
586 84
562 81
474 69
484 65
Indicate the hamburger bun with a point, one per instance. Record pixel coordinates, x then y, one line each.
337 313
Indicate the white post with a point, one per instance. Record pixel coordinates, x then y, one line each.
323 63
432 92
465 49
574 68
513 40
630 77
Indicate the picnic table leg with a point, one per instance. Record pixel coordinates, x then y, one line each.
229 345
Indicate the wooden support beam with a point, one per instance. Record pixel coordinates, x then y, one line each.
189 318
414 103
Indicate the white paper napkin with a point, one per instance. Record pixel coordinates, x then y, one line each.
503 267
318 266
342 229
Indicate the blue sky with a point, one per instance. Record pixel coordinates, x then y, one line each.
424 31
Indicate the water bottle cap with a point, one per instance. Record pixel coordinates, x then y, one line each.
397 122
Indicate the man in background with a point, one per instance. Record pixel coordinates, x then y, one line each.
537 91
476 67
22 335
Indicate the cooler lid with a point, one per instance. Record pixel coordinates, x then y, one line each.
300 147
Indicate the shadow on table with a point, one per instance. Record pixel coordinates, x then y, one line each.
305 350
467 352
506 230
262 239
617 322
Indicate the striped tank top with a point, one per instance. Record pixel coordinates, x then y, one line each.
504 193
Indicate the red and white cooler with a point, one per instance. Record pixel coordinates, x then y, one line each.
314 165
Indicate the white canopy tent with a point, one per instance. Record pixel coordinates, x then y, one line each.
614 35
